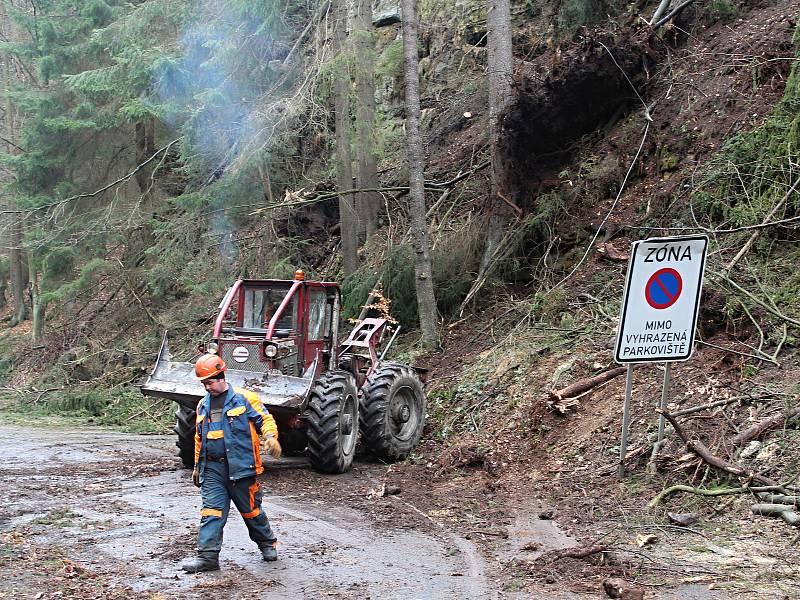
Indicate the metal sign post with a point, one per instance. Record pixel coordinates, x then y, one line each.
626 419
659 312
664 398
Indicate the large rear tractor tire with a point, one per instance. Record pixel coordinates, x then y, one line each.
392 411
333 422
185 427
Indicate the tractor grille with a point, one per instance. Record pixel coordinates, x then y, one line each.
254 361
288 365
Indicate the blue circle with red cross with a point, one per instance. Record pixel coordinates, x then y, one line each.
663 288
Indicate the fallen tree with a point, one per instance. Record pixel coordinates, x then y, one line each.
585 385
697 447
693 490
666 493
782 511
768 424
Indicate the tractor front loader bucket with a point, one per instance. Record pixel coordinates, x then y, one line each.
176 381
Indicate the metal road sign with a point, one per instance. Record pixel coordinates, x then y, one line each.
662 297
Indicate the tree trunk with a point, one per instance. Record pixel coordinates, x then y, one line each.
5 80
7 75
4 272
348 217
17 263
145 147
368 202
37 307
267 257
141 238
501 70
426 298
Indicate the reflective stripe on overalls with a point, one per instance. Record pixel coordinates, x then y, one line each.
218 491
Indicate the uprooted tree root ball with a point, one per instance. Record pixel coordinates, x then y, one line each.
590 88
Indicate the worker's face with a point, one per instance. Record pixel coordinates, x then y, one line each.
215 386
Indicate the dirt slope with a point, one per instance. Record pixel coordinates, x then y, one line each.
500 457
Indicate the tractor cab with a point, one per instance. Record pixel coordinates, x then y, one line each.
286 327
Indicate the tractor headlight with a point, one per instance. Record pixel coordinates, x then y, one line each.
212 347
270 351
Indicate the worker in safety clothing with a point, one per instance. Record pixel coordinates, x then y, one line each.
231 424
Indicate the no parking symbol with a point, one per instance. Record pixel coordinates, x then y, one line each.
662 297
663 288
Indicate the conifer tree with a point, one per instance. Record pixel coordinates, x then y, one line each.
367 161
423 269
348 216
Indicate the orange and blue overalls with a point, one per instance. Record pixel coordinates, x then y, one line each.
227 455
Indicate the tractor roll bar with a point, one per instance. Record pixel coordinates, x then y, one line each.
274 320
224 306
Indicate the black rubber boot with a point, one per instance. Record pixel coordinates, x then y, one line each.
205 561
270 552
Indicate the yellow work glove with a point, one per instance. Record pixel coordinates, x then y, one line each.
272 447
196 477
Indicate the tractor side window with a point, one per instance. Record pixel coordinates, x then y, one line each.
232 317
327 328
318 319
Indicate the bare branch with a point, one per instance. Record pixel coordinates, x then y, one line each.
672 14
758 301
693 490
663 6
10 143
122 179
709 406
323 9
700 449
757 232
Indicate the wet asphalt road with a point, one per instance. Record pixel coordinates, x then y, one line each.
130 514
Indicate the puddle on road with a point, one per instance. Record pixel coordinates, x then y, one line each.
528 531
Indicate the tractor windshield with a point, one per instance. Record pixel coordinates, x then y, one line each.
261 304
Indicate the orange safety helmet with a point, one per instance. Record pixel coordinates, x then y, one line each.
208 365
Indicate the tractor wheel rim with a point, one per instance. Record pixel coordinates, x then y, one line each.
348 432
404 412
347 424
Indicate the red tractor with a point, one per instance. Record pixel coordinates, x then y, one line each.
280 340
